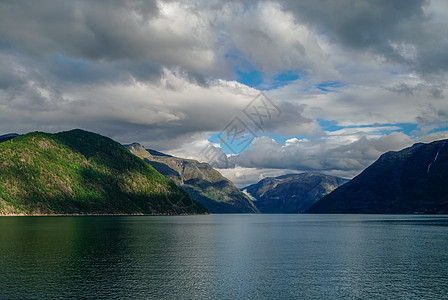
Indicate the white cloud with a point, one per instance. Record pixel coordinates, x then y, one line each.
272 40
163 73
243 177
346 157
389 99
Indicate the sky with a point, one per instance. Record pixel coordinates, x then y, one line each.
256 88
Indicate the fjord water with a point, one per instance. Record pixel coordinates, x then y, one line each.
224 257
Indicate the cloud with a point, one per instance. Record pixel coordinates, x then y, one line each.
411 33
165 114
211 38
124 34
271 40
389 99
336 155
141 37
164 73
243 177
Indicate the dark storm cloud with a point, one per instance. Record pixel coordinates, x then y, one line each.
88 39
434 91
129 36
82 29
431 115
363 23
400 30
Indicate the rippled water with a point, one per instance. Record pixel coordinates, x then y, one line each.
224 257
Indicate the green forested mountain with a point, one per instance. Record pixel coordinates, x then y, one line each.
82 172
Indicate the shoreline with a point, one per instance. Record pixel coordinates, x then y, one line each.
98 214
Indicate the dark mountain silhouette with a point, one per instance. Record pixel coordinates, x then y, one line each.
414 180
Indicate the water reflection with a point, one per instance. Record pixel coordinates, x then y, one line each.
224 256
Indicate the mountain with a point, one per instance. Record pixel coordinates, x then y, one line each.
203 183
7 137
414 180
293 193
82 172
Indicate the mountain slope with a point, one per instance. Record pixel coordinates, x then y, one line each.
82 172
7 137
293 193
203 183
414 180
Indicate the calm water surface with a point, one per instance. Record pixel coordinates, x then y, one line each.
225 257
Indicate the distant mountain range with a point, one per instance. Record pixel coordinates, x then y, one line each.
293 193
203 183
79 172
82 172
414 180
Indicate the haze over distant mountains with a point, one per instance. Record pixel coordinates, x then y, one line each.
414 180
293 193
203 183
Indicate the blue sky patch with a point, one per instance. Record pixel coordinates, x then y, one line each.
329 125
439 129
249 75
332 125
284 78
256 79
252 78
329 86
406 128
215 138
